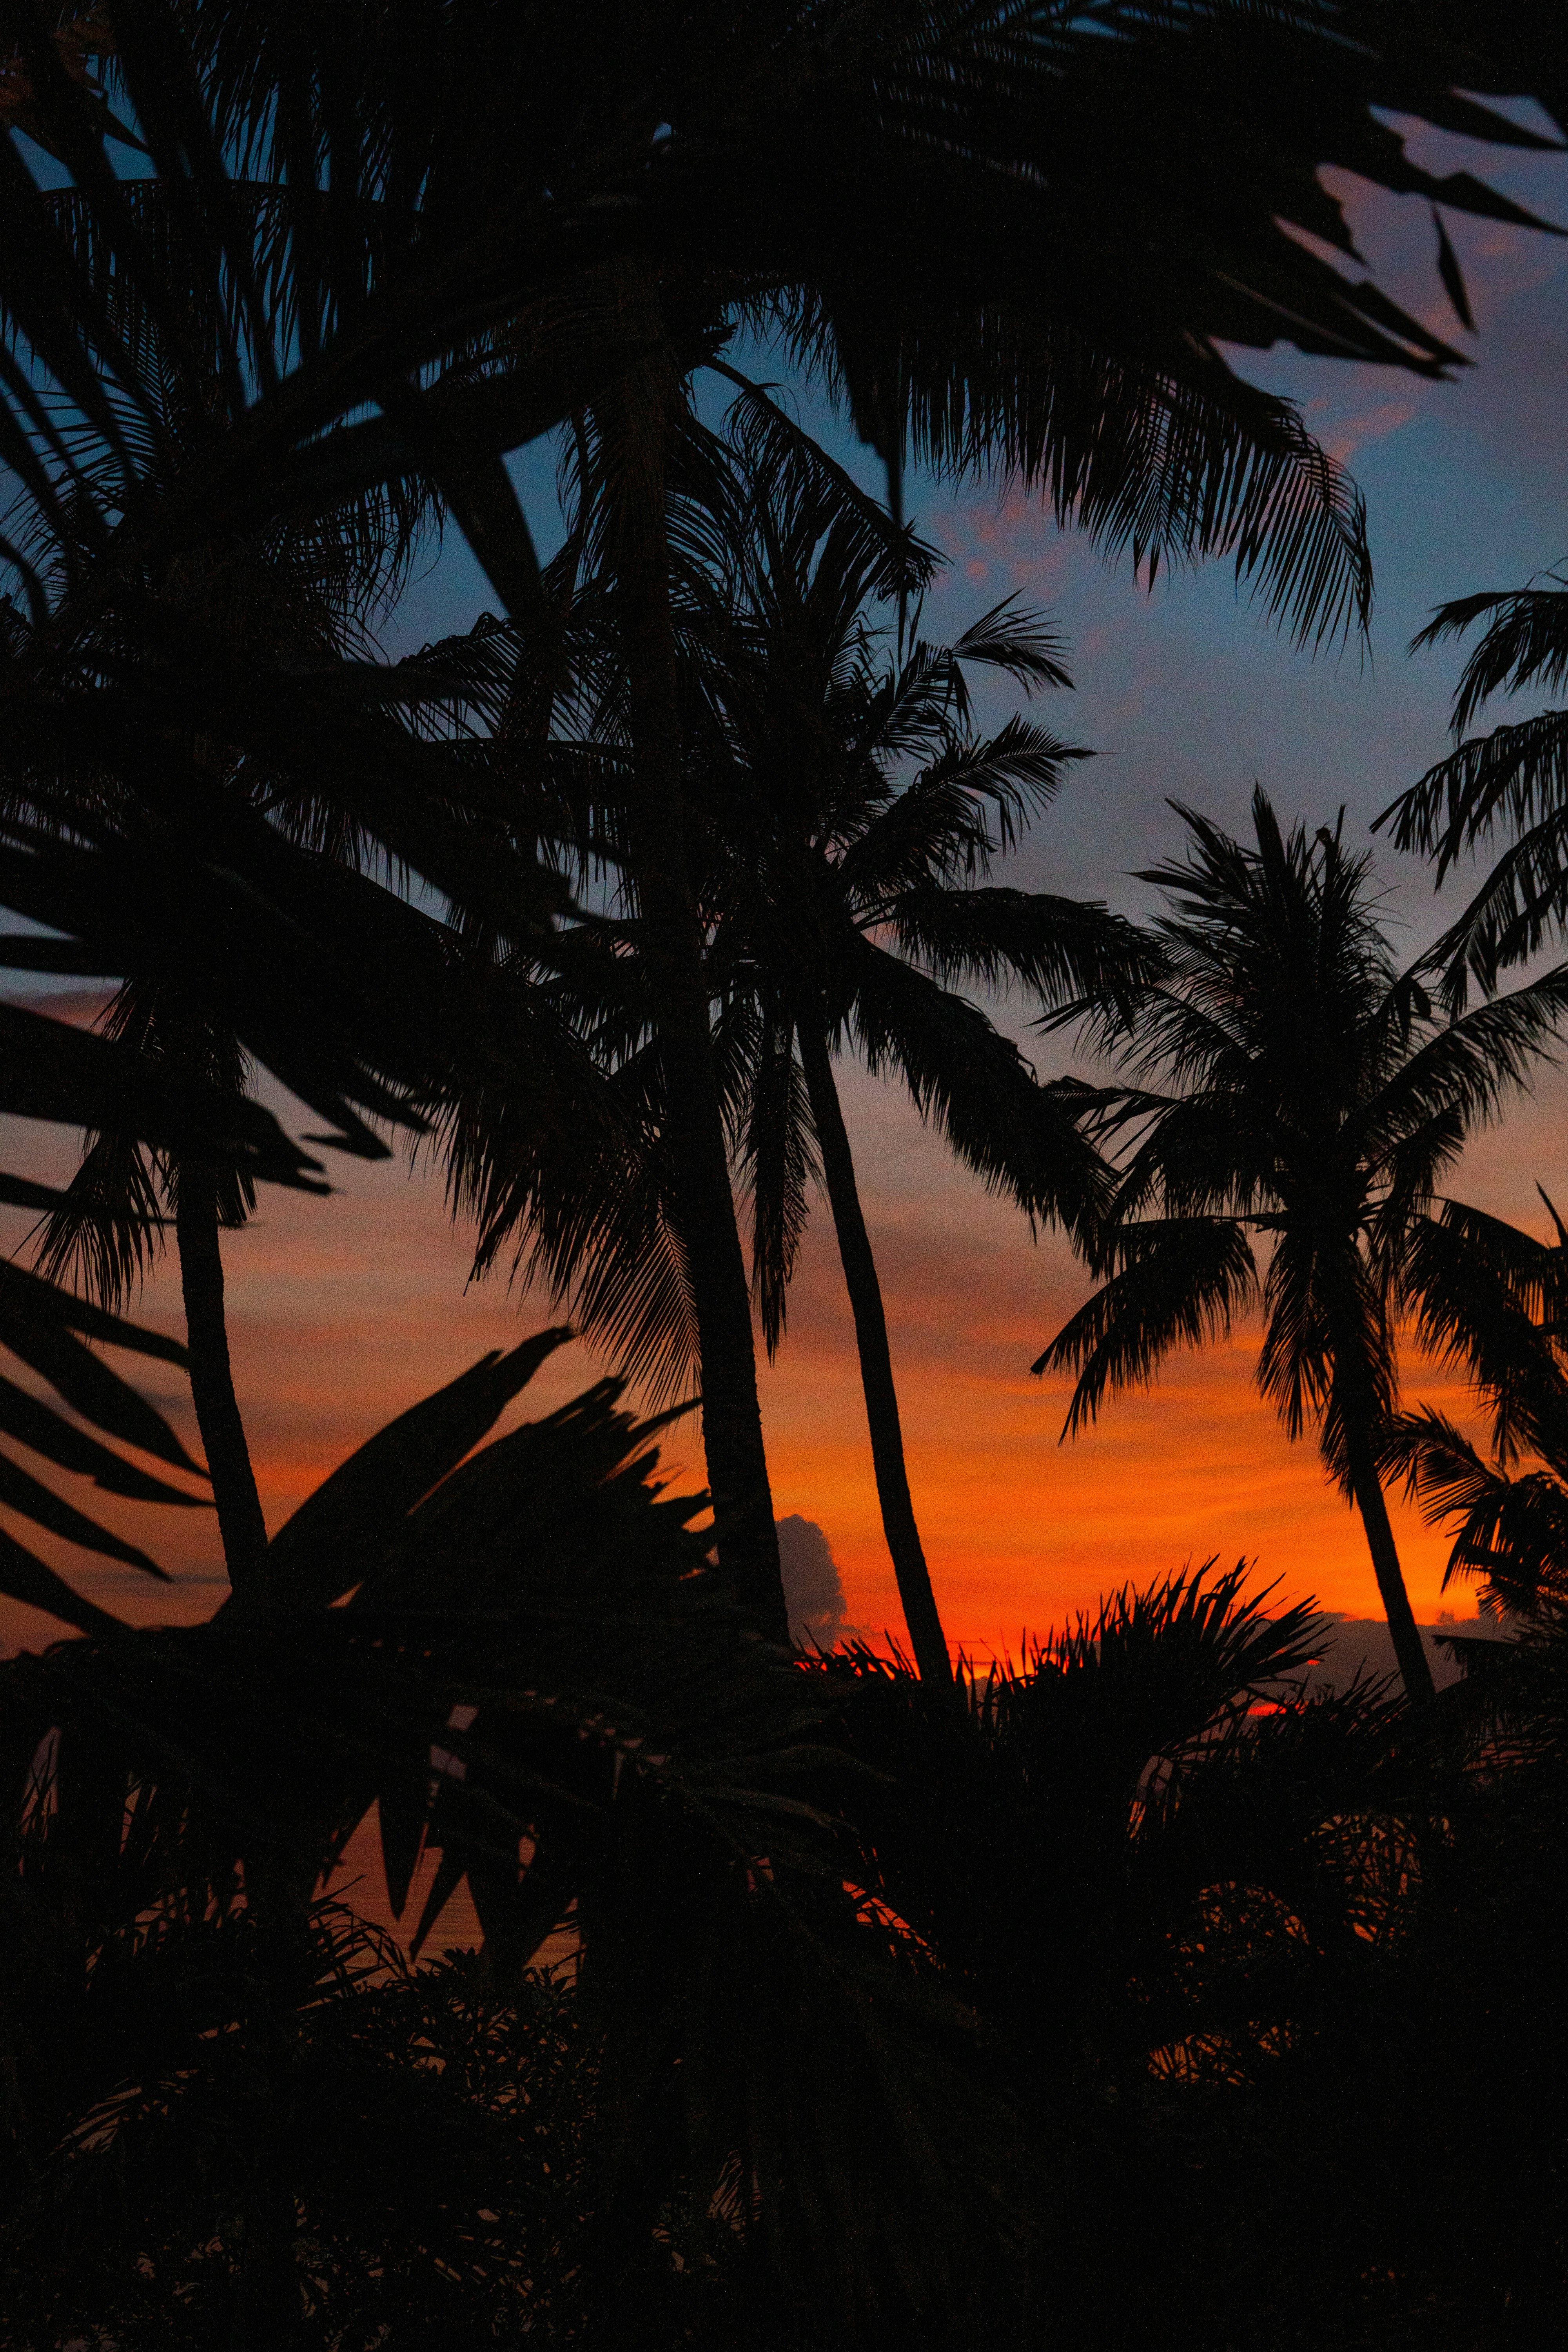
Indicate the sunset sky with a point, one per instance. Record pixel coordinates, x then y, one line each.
345 1311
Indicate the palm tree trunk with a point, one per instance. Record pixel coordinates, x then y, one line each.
240 1523
1367 1487
672 941
926 1636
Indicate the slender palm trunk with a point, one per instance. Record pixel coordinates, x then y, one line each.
240 1523
1367 1487
672 939
926 1636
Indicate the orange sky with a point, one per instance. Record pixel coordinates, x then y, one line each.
345 1311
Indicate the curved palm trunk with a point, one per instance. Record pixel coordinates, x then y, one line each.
240 1523
926 1636
1414 1666
672 940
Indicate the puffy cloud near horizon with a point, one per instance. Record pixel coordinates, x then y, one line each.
813 1591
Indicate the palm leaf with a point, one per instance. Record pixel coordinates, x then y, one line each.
1180 1282
38 1322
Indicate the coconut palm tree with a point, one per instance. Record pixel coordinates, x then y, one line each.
851 811
1512 782
1315 1098
1491 1302
845 810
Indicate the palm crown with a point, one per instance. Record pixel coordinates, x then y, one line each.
852 813
1316 1097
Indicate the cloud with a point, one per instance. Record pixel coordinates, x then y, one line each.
1374 424
1355 1646
811 1583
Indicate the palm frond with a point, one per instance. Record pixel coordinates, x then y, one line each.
1467 1068
1511 1531
39 1324
1513 782
777 1162
974 1086
1524 644
1180 1282
1480 1290
1057 949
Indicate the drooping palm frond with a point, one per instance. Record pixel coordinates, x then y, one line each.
1177 1281
45 1327
776 1155
1489 1299
1159 467
1510 782
1489 1302
1056 949
1509 1529
110 1226
1467 1067
1513 781
1525 643
973 1085
108 1229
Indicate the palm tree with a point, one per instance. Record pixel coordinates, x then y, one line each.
851 811
625 488
302 591
1315 1098
1491 1302
1513 780
834 892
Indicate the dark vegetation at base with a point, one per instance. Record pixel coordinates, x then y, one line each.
1139 1999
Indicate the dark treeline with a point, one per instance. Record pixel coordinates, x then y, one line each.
1139 1990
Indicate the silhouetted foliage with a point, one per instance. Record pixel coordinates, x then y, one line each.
1491 1300
1288 1081
1133 1998
844 813
1510 782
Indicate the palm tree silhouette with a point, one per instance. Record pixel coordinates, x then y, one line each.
1513 780
843 811
851 811
303 593
1316 1097
1493 1302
